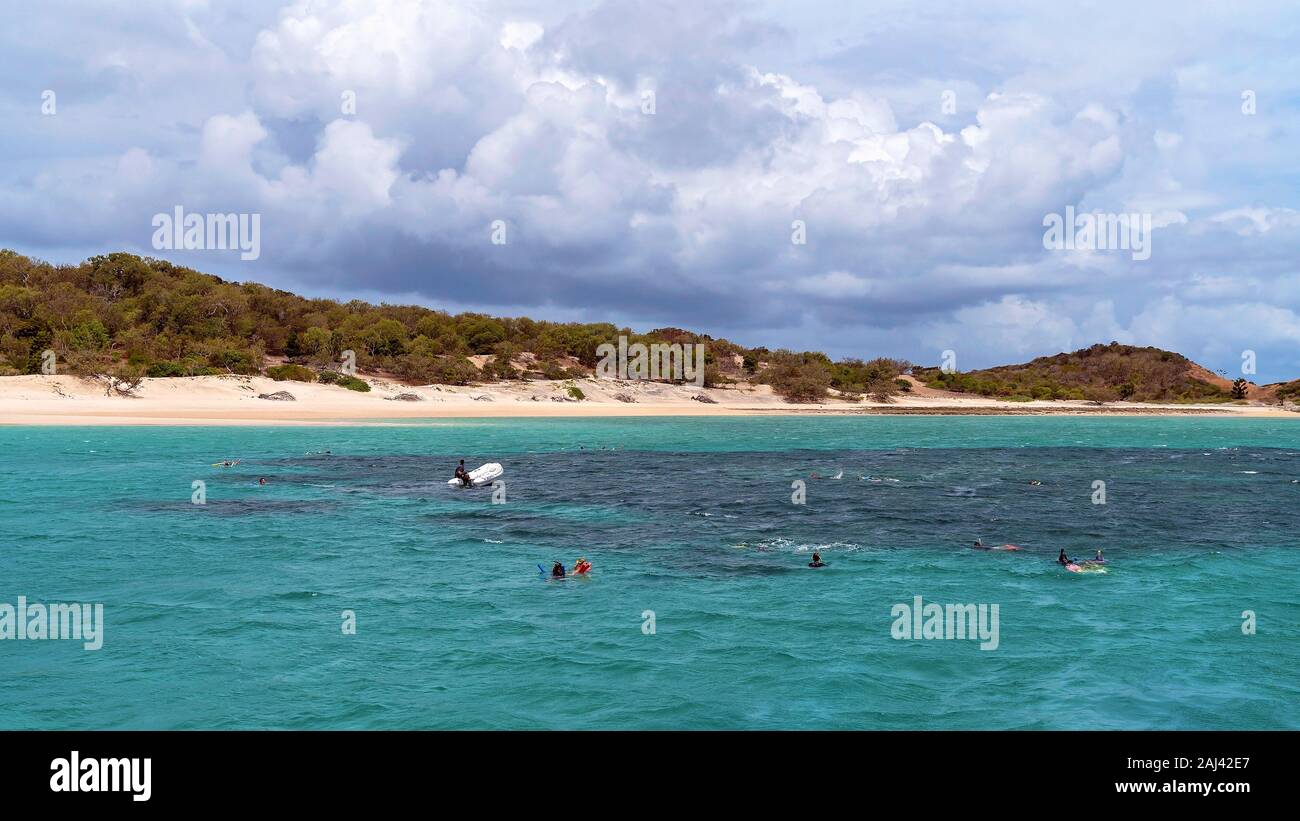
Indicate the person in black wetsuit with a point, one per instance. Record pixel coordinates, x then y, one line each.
557 571
462 474
1063 559
817 560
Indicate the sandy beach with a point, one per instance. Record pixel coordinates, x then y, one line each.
234 400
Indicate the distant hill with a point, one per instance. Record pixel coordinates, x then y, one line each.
1100 373
1279 391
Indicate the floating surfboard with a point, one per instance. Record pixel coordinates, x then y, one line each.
1085 568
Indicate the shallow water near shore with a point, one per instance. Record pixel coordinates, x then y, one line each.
228 614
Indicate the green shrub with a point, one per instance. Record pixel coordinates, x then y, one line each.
799 377
576 392
801 386
882 390
291 373
455 370
345 381
556 372
188 367
499 367
165 369
241 362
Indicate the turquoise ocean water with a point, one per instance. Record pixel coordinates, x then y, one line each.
229 614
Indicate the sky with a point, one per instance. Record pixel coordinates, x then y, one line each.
867 179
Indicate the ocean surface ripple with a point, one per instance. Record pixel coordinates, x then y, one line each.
229 614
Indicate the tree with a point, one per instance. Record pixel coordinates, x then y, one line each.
883 389
384 338
499 366
481 333
316 341
1100 394
1239 388
456 370
798 382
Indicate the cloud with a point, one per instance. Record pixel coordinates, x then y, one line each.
227 143
651 162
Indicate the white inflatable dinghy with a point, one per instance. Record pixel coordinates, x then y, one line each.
483 475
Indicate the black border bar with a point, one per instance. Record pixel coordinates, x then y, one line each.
637 770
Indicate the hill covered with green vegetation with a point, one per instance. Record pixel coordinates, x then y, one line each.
1101 373
128 317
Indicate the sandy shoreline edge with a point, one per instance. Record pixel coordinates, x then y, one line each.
234 400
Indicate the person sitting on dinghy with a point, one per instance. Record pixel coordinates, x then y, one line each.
462 474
